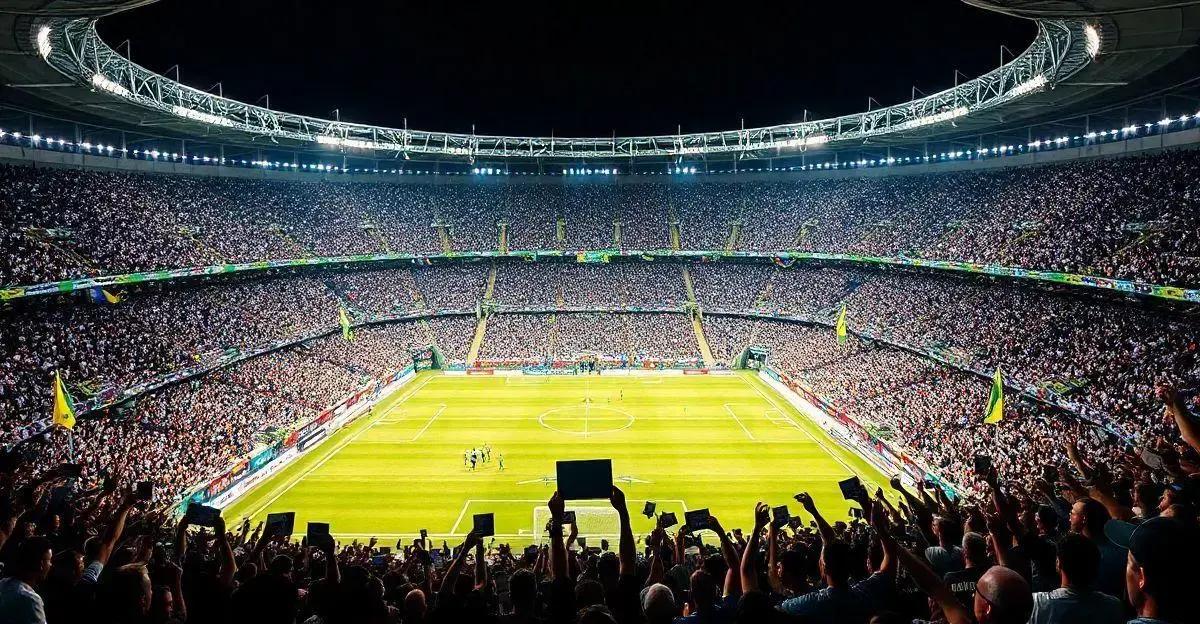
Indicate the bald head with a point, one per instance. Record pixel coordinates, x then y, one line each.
414 605
1002 597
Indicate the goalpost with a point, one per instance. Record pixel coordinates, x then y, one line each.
600 521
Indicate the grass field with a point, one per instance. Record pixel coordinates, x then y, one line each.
686 442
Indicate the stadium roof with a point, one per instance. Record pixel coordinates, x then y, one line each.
1085 56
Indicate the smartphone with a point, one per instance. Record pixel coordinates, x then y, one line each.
568 517
648 510
779 516
983 465
318 535
282 524
696 519
852 488
202 515
856 513
667 520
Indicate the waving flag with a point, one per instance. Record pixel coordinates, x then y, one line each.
64 407
841 325
995 406
347 331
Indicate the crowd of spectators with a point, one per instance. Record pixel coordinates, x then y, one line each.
1129 218
1092 541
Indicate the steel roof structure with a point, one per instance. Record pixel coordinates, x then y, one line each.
1084 54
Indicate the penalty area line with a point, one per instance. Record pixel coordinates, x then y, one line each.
729 410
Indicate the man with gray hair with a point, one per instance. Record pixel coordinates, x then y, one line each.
658 604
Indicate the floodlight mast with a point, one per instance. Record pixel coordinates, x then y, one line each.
1059 50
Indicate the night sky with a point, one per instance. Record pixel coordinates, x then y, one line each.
570 67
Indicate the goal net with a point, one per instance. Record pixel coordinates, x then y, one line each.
593 522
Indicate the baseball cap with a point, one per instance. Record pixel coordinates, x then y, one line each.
1159 544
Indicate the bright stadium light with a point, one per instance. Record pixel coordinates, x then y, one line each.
1092 34
43 41
100 81
945 115
1033 84
201 116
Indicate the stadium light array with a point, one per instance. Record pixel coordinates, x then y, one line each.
43 41
201 116
1164 125
1092 34
1033 84
100 81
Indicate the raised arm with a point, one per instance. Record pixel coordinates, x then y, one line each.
448 580
628 547
558 552
1189 429
481 568
733 577
773 559
932 586
762 516
228 565
656 565
826 531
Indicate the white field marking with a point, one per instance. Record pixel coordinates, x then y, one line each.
537 530
836 457
541 419
283 489
729 410
420 433
776 417
467 505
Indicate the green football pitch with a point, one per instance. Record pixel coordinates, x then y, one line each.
720 442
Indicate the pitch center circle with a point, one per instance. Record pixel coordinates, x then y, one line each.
585 419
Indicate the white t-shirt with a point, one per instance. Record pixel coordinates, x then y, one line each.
20 604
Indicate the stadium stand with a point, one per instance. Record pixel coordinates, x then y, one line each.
1088 511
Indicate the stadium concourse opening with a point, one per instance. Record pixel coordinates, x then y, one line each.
682 441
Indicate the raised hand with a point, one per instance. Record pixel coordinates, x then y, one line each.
617 498
557 506
806 501
762 516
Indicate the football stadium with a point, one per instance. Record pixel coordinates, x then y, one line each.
391 313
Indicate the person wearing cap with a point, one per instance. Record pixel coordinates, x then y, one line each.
1160 574
1078 562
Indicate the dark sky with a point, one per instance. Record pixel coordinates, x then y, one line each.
572 67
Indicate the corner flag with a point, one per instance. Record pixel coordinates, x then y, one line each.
995 406
344 320
841 325
64 406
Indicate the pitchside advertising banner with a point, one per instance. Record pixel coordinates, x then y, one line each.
296 441
785 259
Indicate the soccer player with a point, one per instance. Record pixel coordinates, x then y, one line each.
500 459
487 452
466 458
472 460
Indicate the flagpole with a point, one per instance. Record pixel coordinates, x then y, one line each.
71 445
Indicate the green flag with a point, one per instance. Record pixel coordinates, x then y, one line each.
995 406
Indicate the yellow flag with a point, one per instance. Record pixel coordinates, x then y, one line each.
841 325
64 407
344 321
995 406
